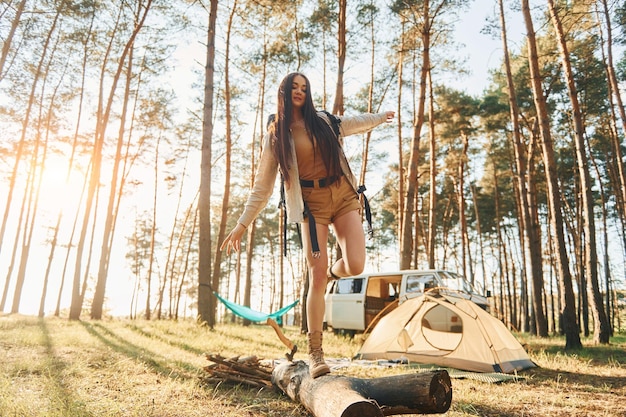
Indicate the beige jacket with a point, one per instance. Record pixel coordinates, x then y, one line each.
268 169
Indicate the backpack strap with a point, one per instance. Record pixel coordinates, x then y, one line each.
368 211
282 205
334 121
315 246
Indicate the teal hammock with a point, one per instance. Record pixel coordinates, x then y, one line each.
253 315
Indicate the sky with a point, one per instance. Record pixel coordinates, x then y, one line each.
483 51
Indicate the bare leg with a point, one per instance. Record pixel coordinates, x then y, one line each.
351 239
315 304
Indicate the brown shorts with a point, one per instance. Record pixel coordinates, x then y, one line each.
328 203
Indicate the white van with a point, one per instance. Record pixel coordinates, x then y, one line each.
355 303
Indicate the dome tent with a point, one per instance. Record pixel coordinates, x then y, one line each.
446 331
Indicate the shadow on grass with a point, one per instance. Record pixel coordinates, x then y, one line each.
599 354
67 401
157 363
482 410
153 335
251 339
578 381
609 355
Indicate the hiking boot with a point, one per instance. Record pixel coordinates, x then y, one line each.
317 366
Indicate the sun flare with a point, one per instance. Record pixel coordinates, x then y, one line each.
61 186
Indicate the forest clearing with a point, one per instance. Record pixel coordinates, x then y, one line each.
55 367
131 134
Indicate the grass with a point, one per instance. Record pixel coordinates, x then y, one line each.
53 367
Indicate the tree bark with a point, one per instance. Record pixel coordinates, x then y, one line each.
342 396
206 301
338 106
530 229
40 74
401 182
217 263
409 208
432 187
601 331
614 92
568 313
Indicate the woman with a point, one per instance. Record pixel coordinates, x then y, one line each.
301 143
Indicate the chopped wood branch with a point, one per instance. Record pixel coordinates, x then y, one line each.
247 370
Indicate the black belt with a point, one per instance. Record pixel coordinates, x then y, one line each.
321 183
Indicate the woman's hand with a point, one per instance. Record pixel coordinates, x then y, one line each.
233 240
390 116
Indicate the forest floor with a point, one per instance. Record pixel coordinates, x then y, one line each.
54 367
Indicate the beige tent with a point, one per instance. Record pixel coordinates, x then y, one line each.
446 331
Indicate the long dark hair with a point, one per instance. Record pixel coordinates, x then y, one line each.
319 131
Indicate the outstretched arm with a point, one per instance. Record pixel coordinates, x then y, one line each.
351 125
259 195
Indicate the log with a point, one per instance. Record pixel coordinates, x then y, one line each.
342 396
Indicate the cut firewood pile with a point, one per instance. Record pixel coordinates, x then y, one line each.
240 370
336 395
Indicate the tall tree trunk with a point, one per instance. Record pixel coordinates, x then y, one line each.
614 92
370 98
481 248
25 212
20 147
153 227
605 240
185 267
176 241
406 244
87 36
432 175
338 106
529 229
125 62
48 130
401 179
465 249
6 45
568 313
217 264
206 300
254 154
98 300
601 332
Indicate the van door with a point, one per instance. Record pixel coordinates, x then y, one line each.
345 304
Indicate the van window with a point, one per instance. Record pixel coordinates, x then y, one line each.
349 286
417 283
456 282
